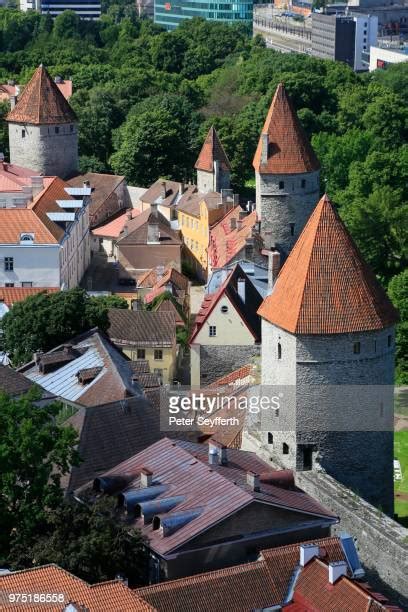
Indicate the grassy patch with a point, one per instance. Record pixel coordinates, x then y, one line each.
401 453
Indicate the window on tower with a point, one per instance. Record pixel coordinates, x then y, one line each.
285 449
270 438
303 183
57 130
356 348
23 133
279 350
389 340
281 184
292 229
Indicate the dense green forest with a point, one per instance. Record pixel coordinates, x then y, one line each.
145 99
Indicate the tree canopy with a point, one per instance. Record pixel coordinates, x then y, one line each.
34 454
46 320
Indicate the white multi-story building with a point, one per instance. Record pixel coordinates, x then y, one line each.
86 9
46 243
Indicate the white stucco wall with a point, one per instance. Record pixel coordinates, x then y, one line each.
36 263
231 330
76 251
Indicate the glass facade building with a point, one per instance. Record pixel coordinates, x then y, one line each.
169 13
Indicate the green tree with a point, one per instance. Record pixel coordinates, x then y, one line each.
44 321
398 292
34 454
67 25
4 144
91 542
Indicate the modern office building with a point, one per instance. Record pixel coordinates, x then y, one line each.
381 58
86 9
169 13
344 37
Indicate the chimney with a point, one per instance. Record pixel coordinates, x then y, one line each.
212 454
273 268
129 214
86 184
233 223
337 569
146 478
253 481
163 190
58 79
264 148
241 288
216 175
37 183
268 239
307 553
153 233
37 357
239 224
154 210
13 101
181 189
249 249
222 455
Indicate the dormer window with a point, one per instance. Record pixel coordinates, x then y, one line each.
26 238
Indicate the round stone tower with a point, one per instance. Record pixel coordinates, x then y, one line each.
287 176
328 342
43 131
213 166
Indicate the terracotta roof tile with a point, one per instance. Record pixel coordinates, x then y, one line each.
325 287
228 237
11 295
114 227
289 151
17 221
315 593
41 102
241 588
212 150
13 178
112 595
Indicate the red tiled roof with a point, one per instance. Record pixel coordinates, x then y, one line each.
251 586
225 243
41 102
13 178
314 593
212 150
170 276
237 376
325 287
11 295
114 227
112 595
17 221
289 151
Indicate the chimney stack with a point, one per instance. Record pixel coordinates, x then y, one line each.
181 189
249 249
241 288
163 190
13 101
146 478
337 569
233 224
253 481
129 214
212 454
37 357
273 268
307 553
264 151
37 183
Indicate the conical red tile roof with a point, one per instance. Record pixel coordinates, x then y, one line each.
325 287
289 150
211 151
41 102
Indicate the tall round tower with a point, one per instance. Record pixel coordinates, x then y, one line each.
287 176
328 341
43 131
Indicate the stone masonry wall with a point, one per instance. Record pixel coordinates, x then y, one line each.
217 361
51 150
337 408
382 543
278 207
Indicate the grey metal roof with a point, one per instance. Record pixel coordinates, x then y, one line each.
70 203
61 216
78 191
64 382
